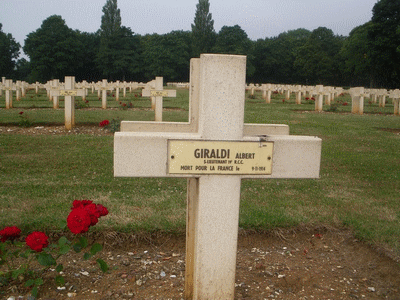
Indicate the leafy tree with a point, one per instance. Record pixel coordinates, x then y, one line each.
109 35
111 20
118 55
384 41
167 55
54 50
203 32
22 70
318 58
357 56
9 51
87 69
234 40
275 57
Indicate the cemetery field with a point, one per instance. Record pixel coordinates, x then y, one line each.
43 171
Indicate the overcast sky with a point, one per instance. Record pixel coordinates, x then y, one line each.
258 18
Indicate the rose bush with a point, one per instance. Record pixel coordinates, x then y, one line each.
83 215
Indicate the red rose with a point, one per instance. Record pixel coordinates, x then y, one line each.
37 241
21 112
9 233
102 210
104 123
93 213
81 203
78 220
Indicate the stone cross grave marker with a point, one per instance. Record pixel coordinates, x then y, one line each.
158 93
69 93
9 87
85 86
395 96
382 93
117 86
37 86
2 84
55 92
319 101
104 87
266 92
214 154
357 100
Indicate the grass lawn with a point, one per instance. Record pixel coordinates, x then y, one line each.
359 185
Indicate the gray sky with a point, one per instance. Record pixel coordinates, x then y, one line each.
258 18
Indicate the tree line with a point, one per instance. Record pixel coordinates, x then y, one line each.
369 56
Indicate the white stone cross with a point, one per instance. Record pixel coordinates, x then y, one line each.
103 86
395 96
9 87
2 84
266 92
55 92
214 152
382 93
357 100
319 101
158 93
69 94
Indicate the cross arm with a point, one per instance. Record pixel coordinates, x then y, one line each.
248 130
155 93
146 155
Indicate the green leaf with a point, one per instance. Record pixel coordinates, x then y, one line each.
25 254
38 281
96 248
81 244
35 291
59 268
77 247
83 241
29 283
64 249
86 256
62 224
103 265
60 281
17 272
46 259
62 241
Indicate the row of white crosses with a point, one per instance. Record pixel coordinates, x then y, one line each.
300 91
215 150
359 93
329 93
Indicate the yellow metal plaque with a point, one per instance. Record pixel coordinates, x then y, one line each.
68 93
227 158
159 93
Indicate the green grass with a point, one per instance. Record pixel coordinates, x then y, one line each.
359 183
